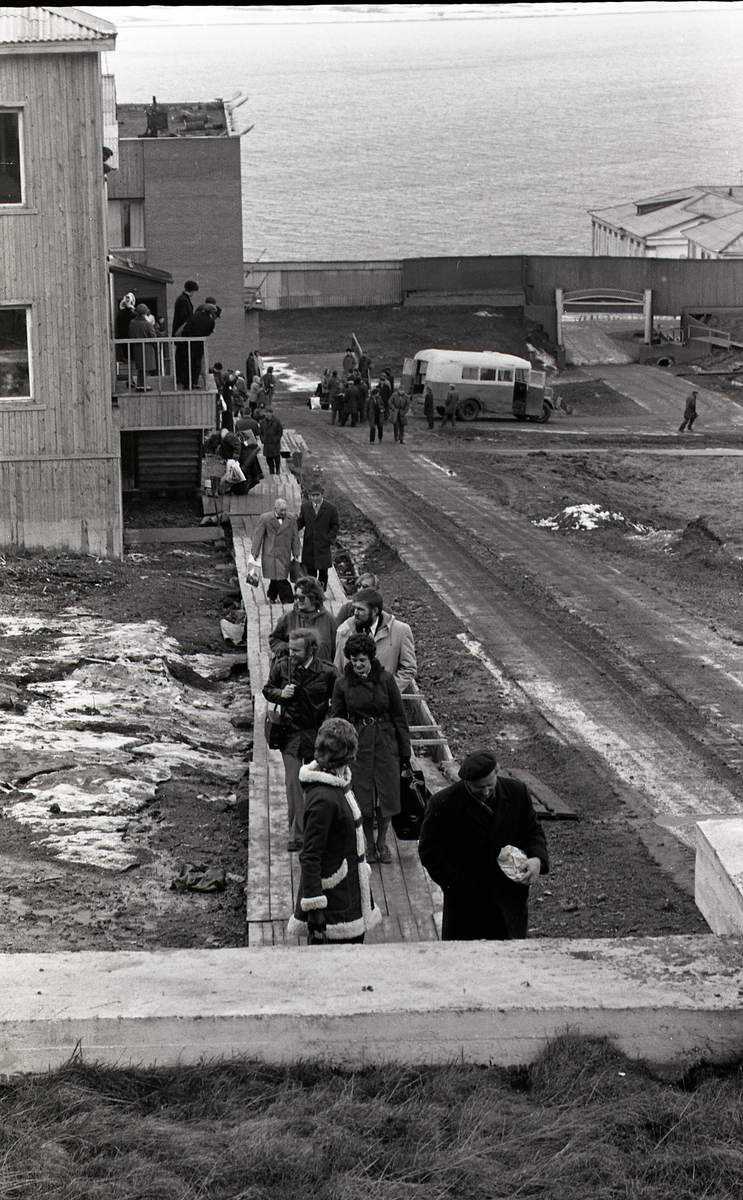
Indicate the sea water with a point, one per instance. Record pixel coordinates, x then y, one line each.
392 138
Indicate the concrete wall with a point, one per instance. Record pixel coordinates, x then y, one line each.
672 1002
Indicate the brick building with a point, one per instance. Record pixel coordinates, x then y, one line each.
175 204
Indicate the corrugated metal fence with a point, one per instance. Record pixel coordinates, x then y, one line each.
527 279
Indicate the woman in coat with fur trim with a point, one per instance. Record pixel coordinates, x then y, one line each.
334 899
368 697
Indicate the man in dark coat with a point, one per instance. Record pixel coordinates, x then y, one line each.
182 312
200 325
464 830
319 520
303 685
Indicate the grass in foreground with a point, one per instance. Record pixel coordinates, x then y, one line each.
583 1123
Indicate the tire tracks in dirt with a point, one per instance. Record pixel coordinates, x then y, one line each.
622 674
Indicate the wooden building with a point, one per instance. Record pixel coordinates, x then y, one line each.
60 480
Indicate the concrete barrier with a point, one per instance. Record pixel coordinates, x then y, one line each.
718 874
669 1001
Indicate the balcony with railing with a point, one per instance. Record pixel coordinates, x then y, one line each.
162 383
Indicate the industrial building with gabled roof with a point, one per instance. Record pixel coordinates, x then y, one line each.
664 225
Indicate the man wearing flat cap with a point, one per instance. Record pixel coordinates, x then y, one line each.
465 828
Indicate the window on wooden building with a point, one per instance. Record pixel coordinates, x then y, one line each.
11 171
15 365
126 224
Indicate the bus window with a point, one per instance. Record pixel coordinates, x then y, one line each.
469 372
487 374
505 376
521 375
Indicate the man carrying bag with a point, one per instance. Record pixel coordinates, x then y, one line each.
303 685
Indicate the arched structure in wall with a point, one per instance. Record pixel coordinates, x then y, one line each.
604 300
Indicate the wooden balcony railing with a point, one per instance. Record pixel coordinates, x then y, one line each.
161 365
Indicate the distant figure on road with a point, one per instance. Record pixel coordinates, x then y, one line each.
399 410
464 831
349 362
690 412
428 406
336 397
376 414
451 404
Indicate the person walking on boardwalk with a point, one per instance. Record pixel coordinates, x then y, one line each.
334 898
320 522
466 829
307 612
690 412
276 542
272 432
451 404
400 410
393 638
303 686
368 697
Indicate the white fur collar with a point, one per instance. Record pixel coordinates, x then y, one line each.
311 773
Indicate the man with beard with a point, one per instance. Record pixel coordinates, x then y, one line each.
393 638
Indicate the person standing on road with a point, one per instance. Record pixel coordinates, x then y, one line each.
320 522
464 831
690 412
428 406
400 409
451 404
351 399
375 414
303 686
335 396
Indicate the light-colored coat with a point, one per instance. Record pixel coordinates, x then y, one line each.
395 648
277 543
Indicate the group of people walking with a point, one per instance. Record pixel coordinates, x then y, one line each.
340 682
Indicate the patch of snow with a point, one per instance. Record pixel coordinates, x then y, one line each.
588 516
547 360
96 742
290 379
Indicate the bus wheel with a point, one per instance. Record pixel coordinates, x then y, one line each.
544 416
468 410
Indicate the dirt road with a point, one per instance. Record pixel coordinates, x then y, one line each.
625 676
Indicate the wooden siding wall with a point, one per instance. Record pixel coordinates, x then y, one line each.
59 460
128 182
479 273
182 410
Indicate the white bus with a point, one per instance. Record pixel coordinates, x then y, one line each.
489 384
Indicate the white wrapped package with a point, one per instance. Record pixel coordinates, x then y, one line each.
512 863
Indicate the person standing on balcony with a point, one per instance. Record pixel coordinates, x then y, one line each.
182 312
200 325
143 357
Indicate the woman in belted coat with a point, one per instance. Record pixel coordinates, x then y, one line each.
368 697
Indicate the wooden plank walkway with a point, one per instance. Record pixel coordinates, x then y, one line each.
410 901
